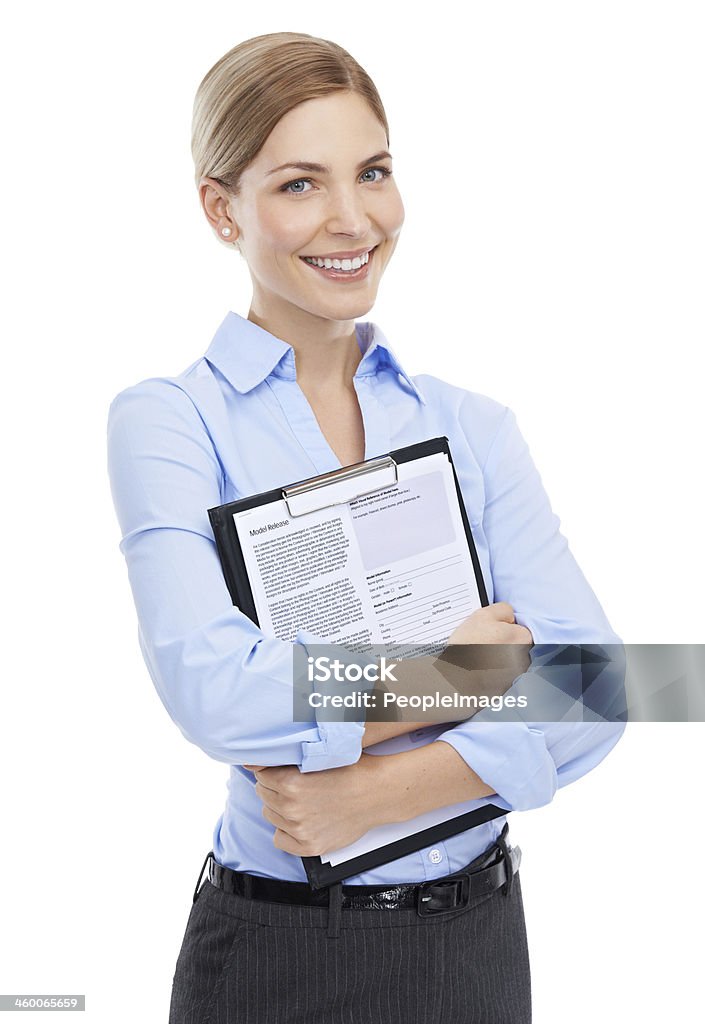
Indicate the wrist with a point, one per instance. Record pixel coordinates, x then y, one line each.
413 782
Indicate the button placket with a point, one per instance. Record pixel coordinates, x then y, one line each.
374 417
303 423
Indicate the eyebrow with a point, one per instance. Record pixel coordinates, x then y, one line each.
305 165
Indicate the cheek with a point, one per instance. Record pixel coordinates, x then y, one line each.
280 228
391 214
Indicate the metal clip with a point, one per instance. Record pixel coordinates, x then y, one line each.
385 466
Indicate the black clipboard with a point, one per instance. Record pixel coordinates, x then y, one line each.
227 541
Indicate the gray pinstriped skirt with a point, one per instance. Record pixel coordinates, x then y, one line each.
250 962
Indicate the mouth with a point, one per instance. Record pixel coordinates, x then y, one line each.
353 268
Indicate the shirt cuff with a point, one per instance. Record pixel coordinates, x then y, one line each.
511 757
339 743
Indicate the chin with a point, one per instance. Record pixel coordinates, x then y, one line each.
349 312
347 308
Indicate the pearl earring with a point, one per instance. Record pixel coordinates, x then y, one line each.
226 232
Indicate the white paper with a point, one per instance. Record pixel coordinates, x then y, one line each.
384 834
389 567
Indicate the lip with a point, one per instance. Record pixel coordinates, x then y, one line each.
349 276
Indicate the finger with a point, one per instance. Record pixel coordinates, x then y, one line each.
278 819
267 778
258 770
501 610
287 843
515 634
271 798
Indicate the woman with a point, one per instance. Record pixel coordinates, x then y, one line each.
291 147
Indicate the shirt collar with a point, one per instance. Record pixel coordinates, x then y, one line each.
246 354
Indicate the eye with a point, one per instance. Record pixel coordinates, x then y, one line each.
384 172
295 191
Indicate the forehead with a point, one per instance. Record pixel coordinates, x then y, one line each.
327 129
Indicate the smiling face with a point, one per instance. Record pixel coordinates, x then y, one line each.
288 221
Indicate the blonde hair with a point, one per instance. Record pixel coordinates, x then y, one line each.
247 92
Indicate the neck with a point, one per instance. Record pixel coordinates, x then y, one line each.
326 352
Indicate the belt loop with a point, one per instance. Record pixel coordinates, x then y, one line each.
247 886
501 842
335 906
197 890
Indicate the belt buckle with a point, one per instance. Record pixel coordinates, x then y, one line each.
424 899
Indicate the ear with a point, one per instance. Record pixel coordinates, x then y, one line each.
215 201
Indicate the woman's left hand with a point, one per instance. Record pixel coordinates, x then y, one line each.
314 812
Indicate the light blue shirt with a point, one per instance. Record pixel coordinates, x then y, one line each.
235 423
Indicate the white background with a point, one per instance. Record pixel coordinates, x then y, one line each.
550 157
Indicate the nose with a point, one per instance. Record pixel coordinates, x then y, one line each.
347 212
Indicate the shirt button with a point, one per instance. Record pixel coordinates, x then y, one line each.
435 856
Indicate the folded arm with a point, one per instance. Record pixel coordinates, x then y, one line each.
226 685
524 760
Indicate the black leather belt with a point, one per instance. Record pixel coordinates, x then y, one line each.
489 872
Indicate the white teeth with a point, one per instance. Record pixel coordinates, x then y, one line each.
346 264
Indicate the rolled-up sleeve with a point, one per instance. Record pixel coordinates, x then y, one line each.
225 684
533 569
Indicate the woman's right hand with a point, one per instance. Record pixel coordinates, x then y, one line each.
480 672
493 624
481 669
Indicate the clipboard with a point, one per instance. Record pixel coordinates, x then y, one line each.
313 494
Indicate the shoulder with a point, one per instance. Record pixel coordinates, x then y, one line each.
158 396
171 417
437 390
480 418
